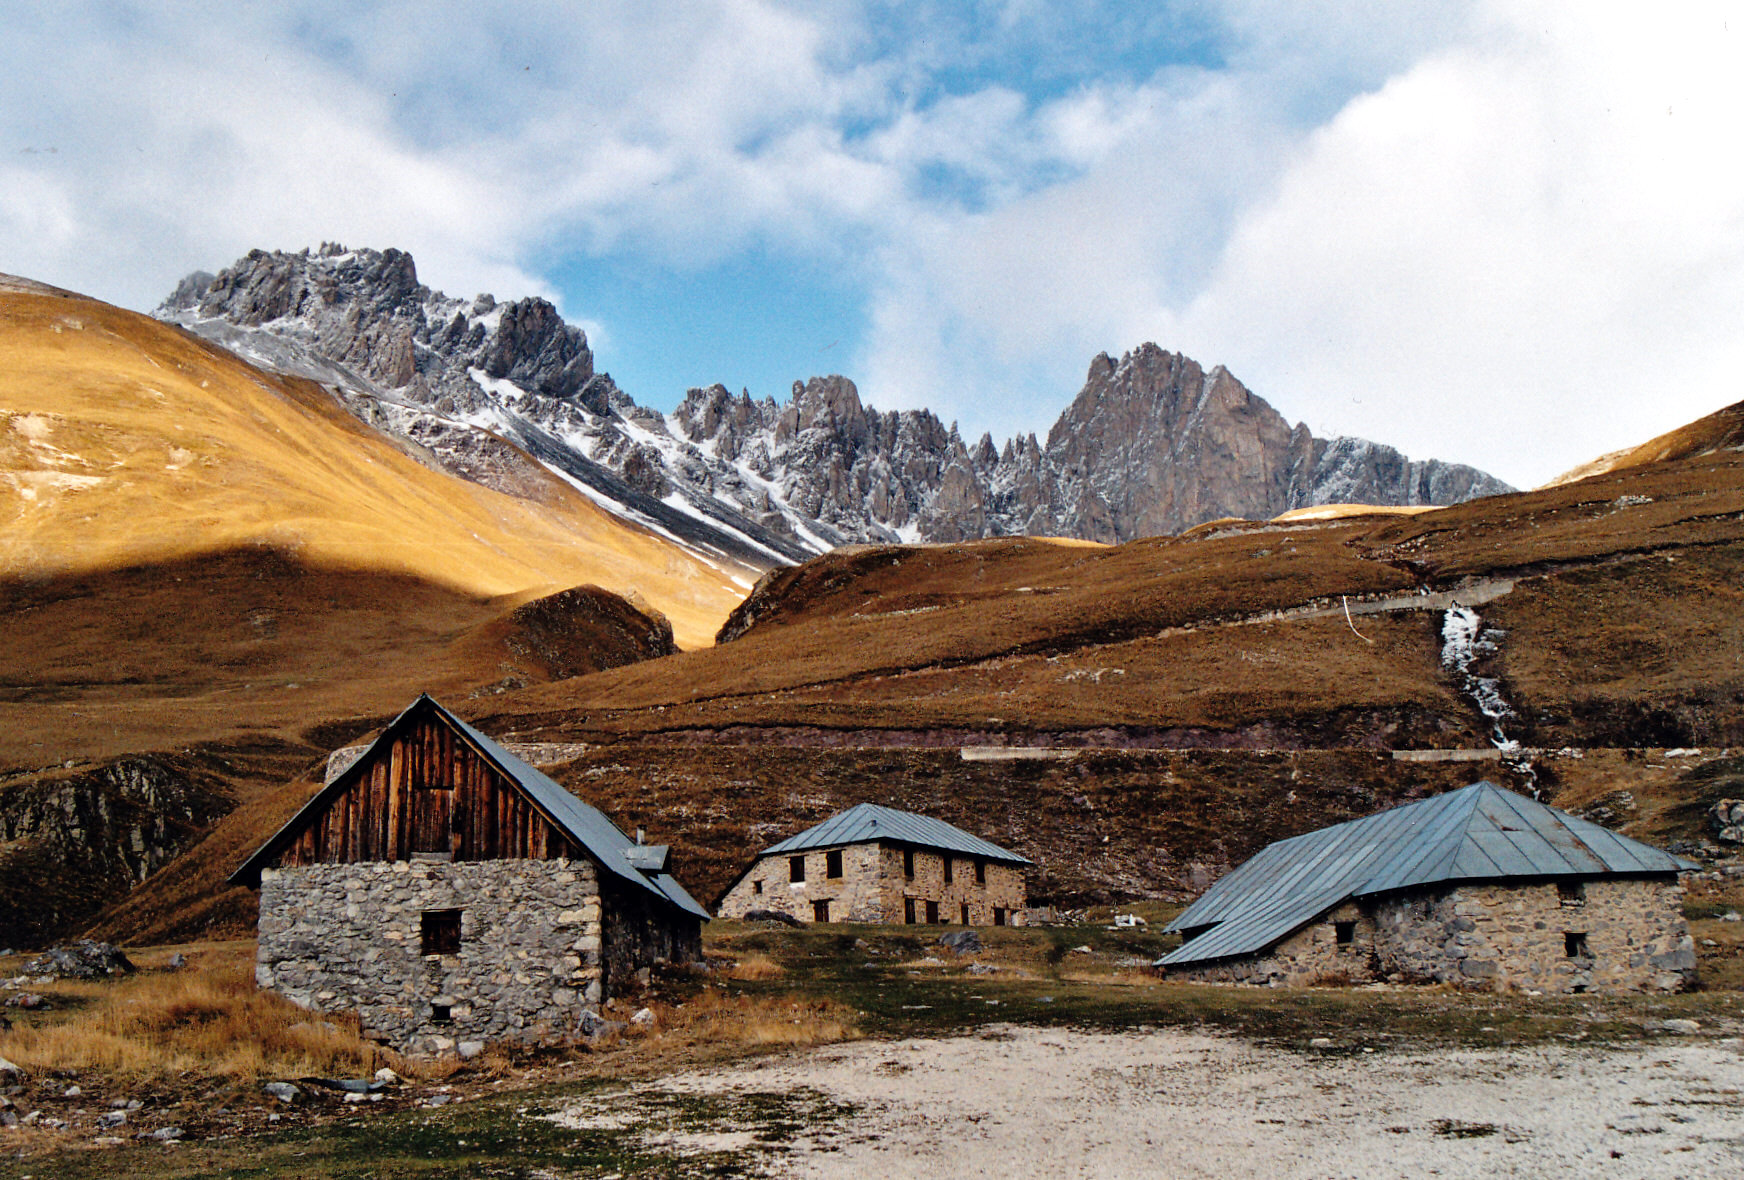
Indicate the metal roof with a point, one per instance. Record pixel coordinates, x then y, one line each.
1477 833
586 825
865 822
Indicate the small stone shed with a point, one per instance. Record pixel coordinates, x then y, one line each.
1479 886
446 891
878 864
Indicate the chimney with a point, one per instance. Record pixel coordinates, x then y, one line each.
639 835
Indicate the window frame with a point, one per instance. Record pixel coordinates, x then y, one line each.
440 932
796 869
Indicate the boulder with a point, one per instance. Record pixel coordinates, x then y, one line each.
774 916
83 960
962 942
283 1091
1726 821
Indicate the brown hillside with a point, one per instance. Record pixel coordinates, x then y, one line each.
1232 636
127 442
237 645
1719 431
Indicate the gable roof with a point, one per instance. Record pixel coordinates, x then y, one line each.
866 822
587 826
1477 833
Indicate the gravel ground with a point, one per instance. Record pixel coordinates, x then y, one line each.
1027 1102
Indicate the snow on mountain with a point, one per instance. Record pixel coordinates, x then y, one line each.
1152 444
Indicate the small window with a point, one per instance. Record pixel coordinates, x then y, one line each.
796 868
908 910
999 915
820 911
833 863
908 863
932 913
965 913
1575 945
439 932
1571 892
1345 933
980 872
757 885
441 1014
947 859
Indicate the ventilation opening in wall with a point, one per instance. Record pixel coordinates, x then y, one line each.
439 932
1575 945
441 1014
1344 933
757 886
1571 892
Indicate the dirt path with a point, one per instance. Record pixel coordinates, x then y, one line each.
1029 1102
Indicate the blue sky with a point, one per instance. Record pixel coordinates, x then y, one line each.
1504 232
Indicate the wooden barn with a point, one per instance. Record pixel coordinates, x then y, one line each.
448 892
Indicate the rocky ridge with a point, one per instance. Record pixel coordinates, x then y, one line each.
1153 444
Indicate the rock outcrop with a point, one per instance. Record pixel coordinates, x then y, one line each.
1152 444
74 839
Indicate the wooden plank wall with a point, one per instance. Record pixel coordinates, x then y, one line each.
427 791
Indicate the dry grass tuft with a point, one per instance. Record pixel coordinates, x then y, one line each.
755 965
207 1019
716 1018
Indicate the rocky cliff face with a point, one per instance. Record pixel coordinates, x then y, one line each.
1153 443
73 840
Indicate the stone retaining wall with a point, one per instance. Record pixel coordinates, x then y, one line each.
1628 935
346 937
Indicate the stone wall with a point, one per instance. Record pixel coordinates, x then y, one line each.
640 931
1004 888
873 887
858 895
1634 932
1631 937
1311 955
338 937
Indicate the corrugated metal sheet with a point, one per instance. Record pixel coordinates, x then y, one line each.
1480 832
867 821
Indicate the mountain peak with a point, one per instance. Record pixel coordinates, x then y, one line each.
1152 443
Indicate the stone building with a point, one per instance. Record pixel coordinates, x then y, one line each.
446 891
877 864
1479 886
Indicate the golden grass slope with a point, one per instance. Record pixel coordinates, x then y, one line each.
126 442
1719 431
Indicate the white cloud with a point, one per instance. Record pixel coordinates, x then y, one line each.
1507 233
1519 253
1523 249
